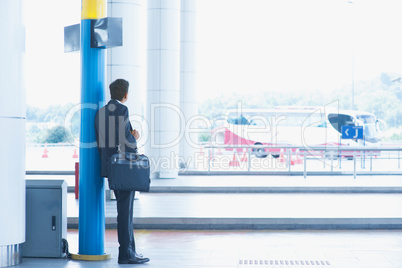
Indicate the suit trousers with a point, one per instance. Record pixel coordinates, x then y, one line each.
125 228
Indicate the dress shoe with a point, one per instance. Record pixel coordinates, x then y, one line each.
138 255
138 259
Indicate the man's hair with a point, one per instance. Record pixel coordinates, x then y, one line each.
118 89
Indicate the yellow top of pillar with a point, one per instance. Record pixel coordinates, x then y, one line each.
93 9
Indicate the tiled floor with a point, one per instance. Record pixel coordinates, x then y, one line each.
257 210
232 201
231 249
205 199
264 183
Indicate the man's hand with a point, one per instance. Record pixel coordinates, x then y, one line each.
135 133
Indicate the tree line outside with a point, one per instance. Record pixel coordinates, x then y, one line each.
381 96
47 125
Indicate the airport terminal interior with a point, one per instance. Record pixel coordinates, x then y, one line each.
271 132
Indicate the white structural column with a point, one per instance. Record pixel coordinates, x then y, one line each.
188 96
128 61
163 88
12 134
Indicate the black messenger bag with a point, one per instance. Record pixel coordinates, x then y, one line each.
129 172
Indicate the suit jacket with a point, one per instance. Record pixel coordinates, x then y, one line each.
113 128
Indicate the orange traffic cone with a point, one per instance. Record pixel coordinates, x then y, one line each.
45 151
75 155
244 157
282 158
234 162
292 158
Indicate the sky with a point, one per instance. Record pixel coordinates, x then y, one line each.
51 76
242 46
296 45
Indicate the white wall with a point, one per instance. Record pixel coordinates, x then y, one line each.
12 122
163 87
128 61
188 91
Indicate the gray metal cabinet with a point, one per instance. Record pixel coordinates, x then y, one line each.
46 218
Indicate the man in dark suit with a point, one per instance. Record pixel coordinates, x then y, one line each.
113 132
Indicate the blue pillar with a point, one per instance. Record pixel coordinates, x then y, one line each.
91 187
92 37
